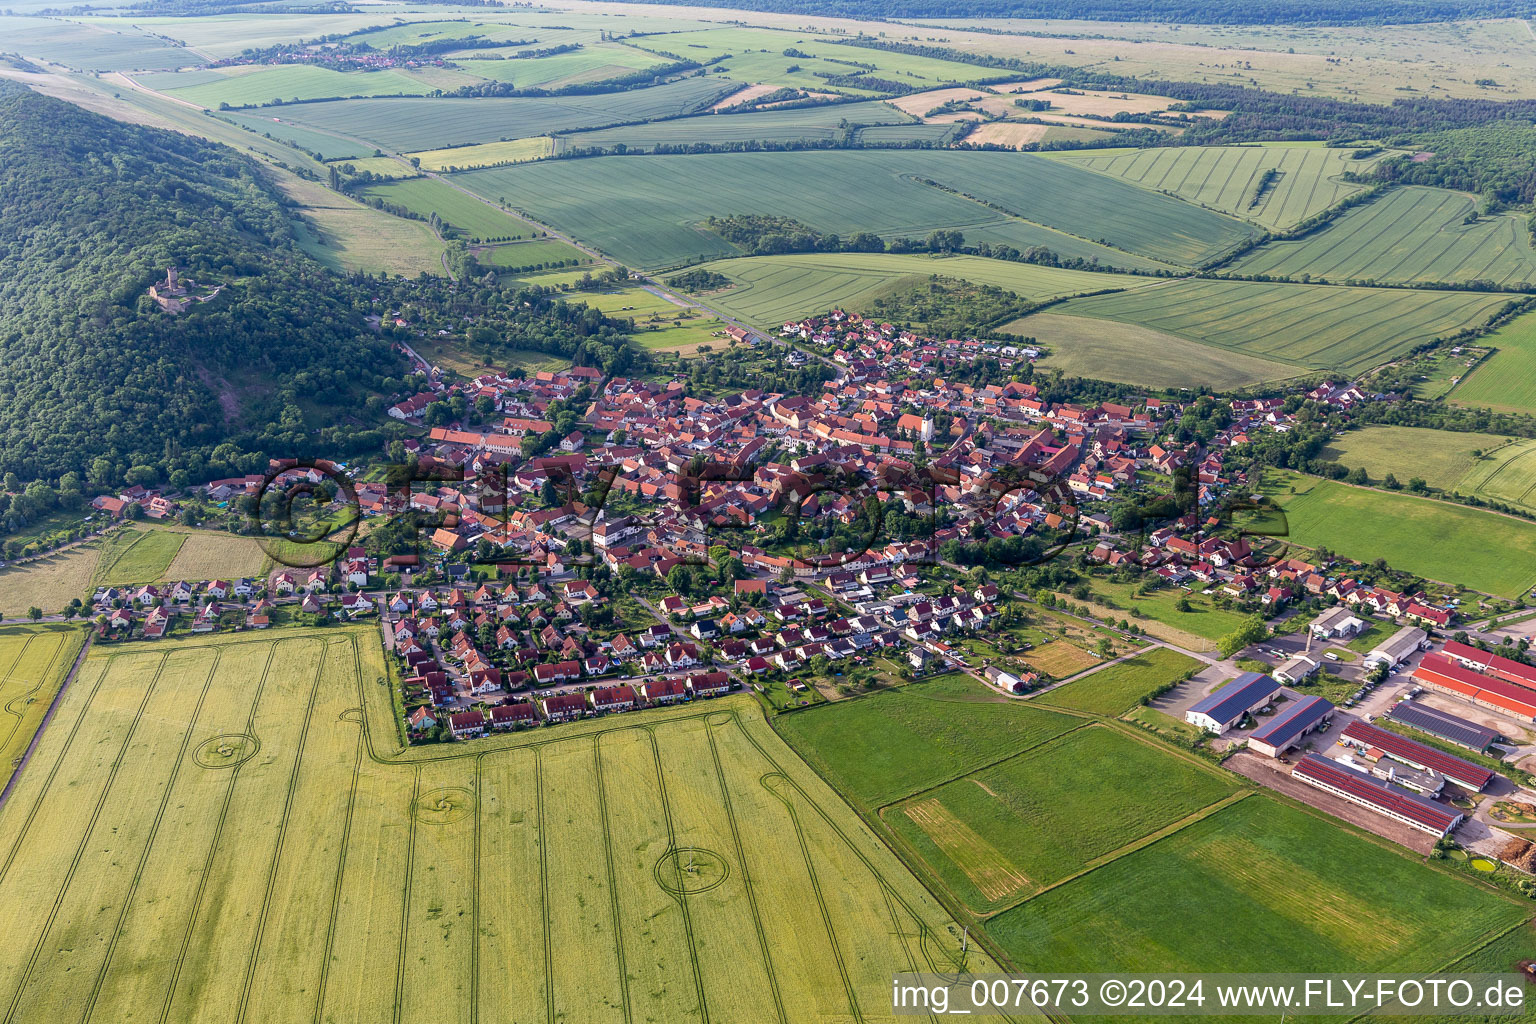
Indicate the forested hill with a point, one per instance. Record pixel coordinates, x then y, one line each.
93 212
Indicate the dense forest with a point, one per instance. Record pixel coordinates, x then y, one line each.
95 211
1196 12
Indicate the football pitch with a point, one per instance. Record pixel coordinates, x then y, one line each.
226 829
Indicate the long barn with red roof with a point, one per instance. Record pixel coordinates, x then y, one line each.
1418 755
1448 675
1377 795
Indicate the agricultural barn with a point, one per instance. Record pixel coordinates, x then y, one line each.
1378 795
1446 675
1298 668
1416 755
1398 648
1336 622
1219 711
1507 669
1443 725
1384 767
1286 729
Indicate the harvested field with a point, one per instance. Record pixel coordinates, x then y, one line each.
982 863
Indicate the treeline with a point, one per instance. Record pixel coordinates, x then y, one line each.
641 79
1496 160
1194 12
768 235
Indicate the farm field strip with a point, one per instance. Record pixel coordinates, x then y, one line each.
1319 326
138 556
1506 380
788 125
768 290
1435 539
413 125
213 830
426 196
1410 235
1227 178
1050 204
1246 889
33 663
1112 690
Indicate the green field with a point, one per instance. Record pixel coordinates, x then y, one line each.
1409 236
33 663
1033 820
831 123
893 743
1131 354
1434 539
308 139
768 290
1113 690
529 252
254 86
91 47
1505 381
1038 202
137 556
216 829
1227 178
1257 886
426 196
757 56
515 151
591 63
660 324
1316 326
1204 619
1442 458
411 125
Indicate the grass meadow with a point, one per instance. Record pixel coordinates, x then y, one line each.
1506 380
259 85
1132 354
137 555
1228 178
1116 688
1030 821
1260 885
1409 236
216 829
1442 458
892 743
1204 619
486 154
326 146
1316 326
591 63
768 290
33 663
49 582
1020 199
426 196
1434 539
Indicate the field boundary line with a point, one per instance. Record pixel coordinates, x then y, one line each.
74 729
346 842
85 838
25 756
1087 722
549 956
213 842
474 910
149 844
282 834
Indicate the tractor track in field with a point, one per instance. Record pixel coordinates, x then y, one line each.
613 885
405 902
682 898
746 874
149 844
282 835
341 862
549 953
213 843
85 838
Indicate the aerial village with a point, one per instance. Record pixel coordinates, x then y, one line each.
672 547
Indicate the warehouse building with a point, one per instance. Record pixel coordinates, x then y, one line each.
1224 708
1416 755
1287 728
1398 647
1443 725
1379 765
1298 669
1498 666
1383 797
1446 675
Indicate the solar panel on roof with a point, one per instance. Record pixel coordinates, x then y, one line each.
1440 723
